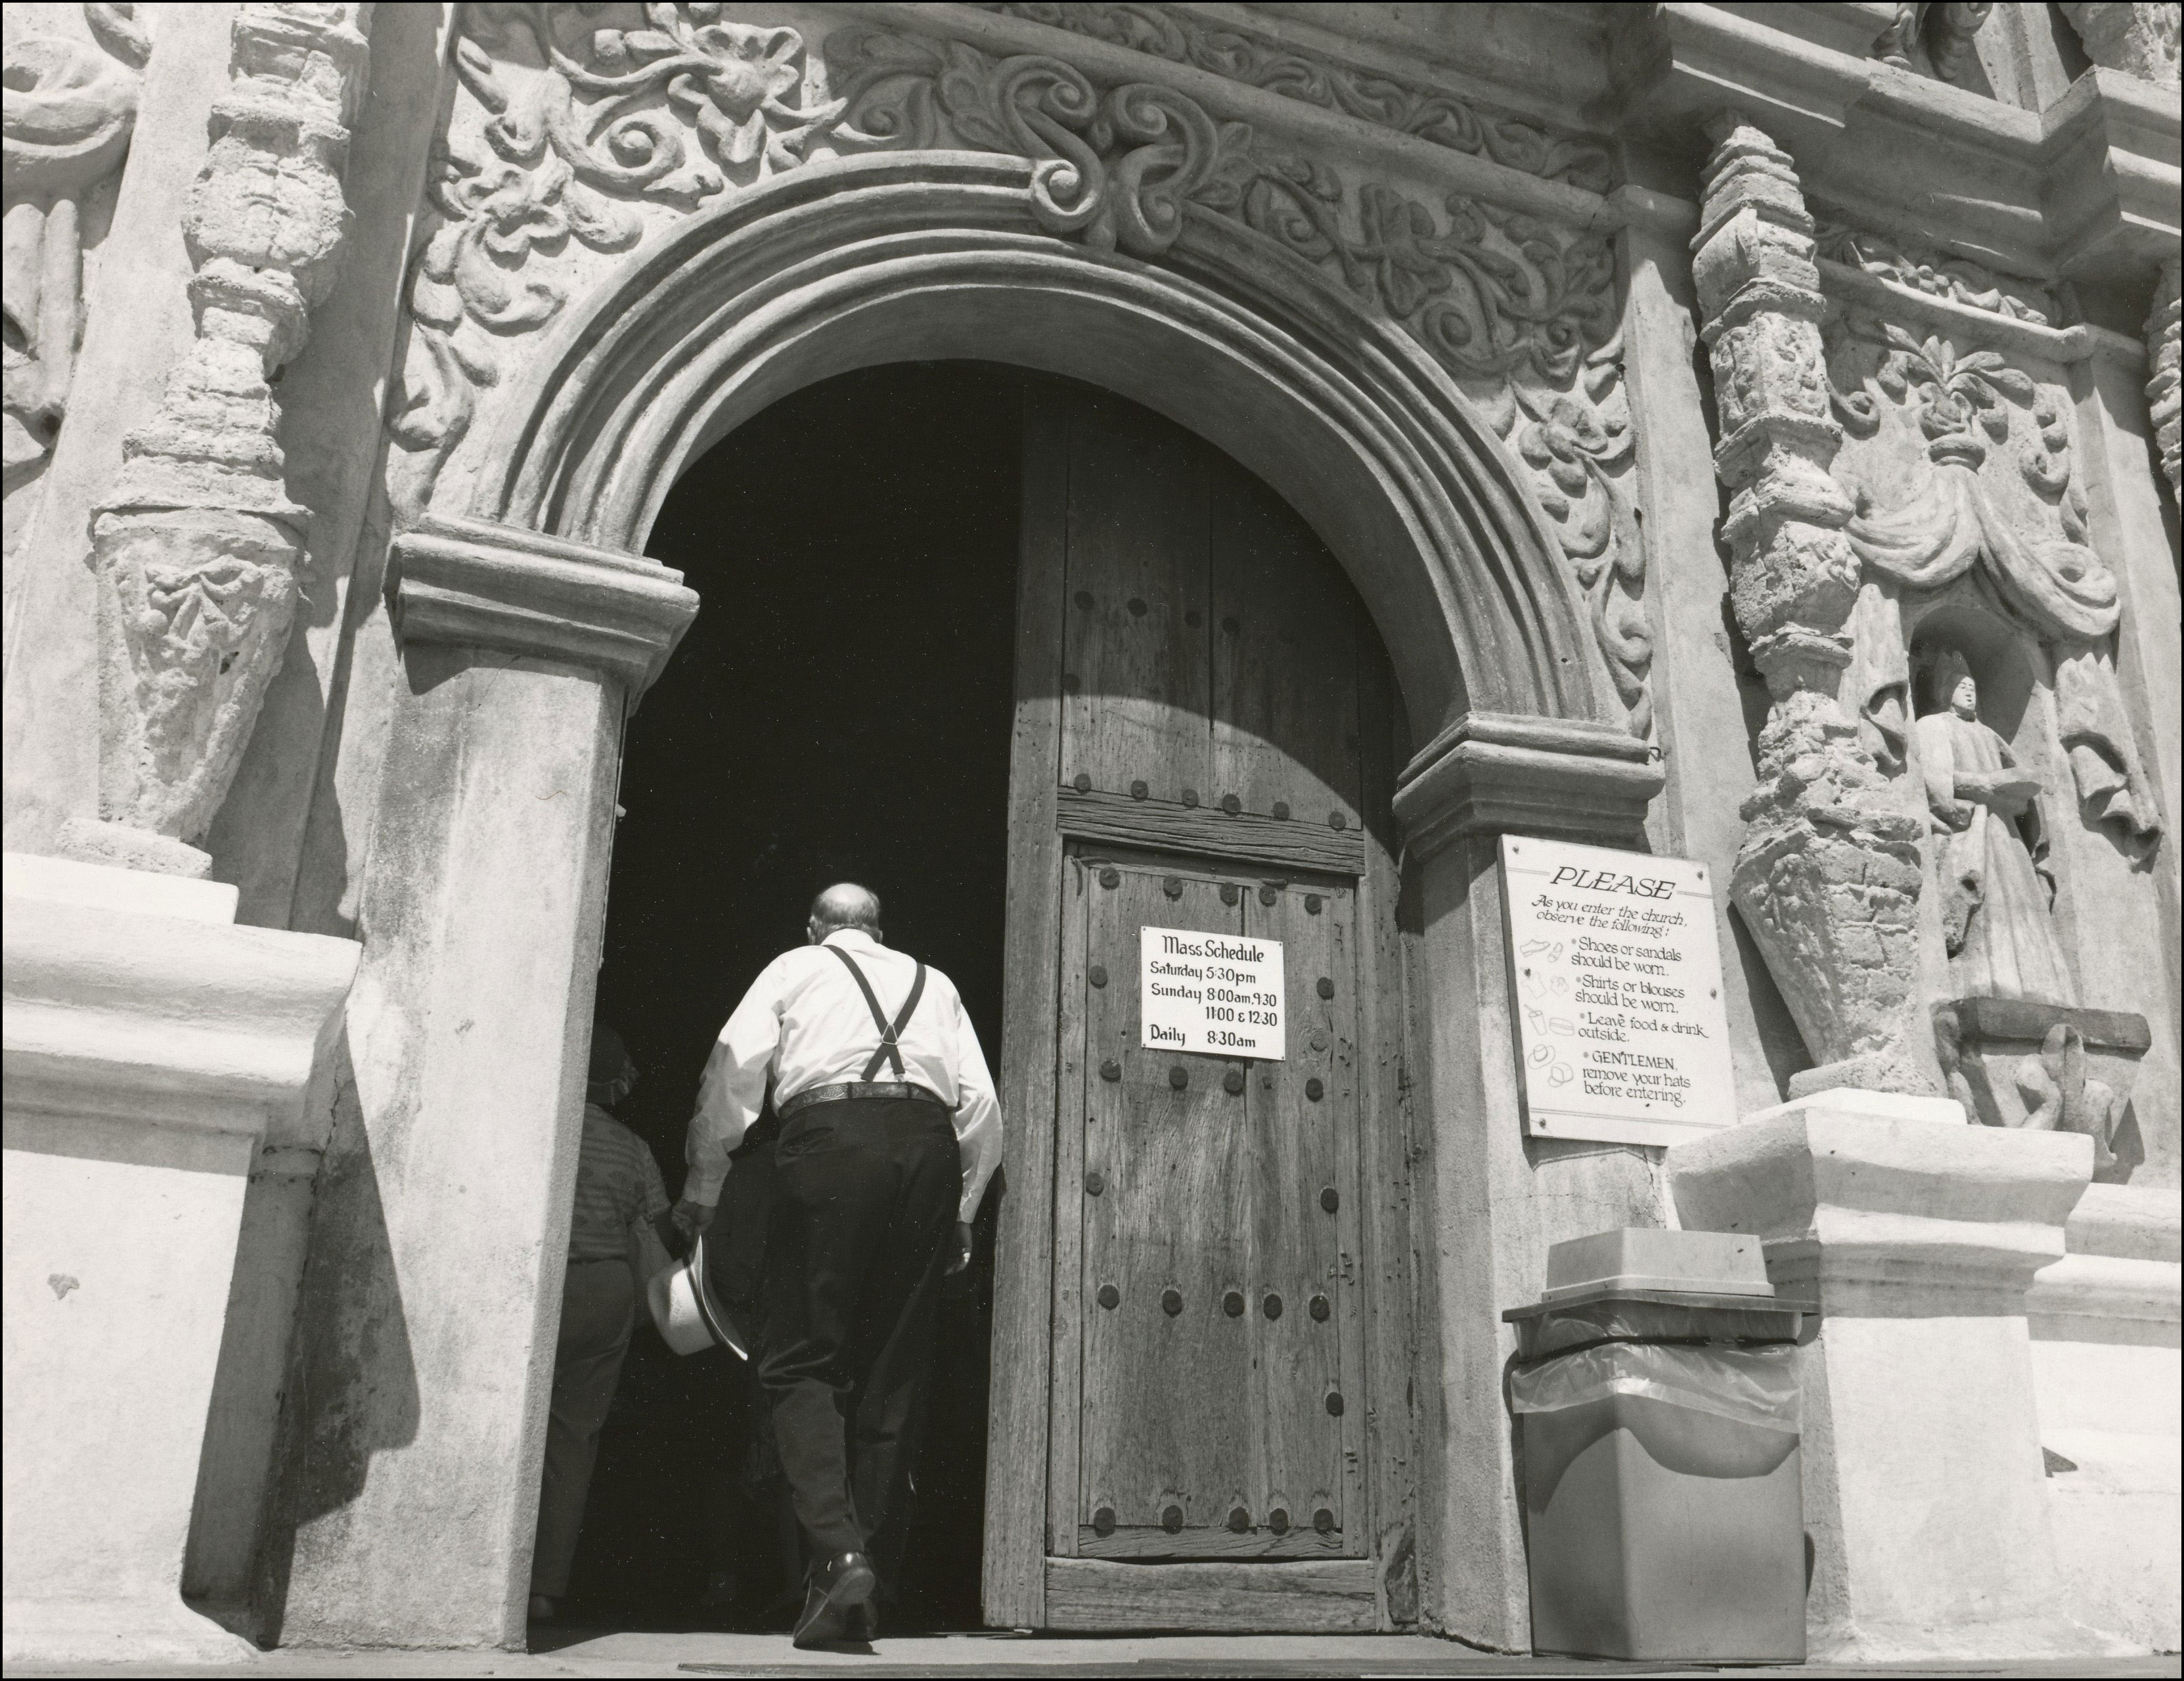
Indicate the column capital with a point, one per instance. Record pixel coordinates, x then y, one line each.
1885 1205
475 583
1489 773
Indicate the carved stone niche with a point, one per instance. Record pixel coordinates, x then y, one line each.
2047 1068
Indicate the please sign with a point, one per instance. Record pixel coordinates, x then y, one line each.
1218 994
1616 978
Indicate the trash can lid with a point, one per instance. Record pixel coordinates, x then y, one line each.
1643 1258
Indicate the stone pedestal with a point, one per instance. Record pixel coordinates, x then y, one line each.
150 1046
1925 1497
2106 1376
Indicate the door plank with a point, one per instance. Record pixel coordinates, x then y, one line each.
1167 1395
1135 662
1284 653
1014 1584
1329 1597
1071 1106
1302 1250
1383 1157
1211 833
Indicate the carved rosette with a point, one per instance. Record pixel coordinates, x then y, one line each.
1828 877
573 139
197 542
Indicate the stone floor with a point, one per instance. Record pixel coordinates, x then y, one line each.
579 1653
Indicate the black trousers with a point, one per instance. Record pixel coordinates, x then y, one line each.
865 1197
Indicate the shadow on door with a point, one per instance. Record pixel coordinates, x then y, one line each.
840 710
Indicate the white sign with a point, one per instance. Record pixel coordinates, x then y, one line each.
1220 995
1616 979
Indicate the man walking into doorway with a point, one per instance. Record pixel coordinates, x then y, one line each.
890 1131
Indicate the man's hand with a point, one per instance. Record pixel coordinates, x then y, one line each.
959 1250
691 1218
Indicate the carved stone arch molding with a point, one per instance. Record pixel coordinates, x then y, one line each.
907 257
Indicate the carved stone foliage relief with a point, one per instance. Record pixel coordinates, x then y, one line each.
582 128
71 107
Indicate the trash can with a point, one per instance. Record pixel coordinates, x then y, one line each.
1657 1401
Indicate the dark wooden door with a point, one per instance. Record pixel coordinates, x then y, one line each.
1211 1326
1219 736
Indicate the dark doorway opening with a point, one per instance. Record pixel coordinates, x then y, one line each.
841 709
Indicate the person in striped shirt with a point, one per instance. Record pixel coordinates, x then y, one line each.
618 1184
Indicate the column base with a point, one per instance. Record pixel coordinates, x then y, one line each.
1926 1496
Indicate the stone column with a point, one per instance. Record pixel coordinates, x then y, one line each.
1490 1200
1926 1498
1700 706
2104 1321
1827 876
151 1048
433 1286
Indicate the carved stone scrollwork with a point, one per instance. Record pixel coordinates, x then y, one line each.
1828 877
675 114
2164 354
1384 101
580 132
71 107
197 541
1520 312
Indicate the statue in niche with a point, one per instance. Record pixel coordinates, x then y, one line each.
1985 812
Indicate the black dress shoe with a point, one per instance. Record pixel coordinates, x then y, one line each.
840 1589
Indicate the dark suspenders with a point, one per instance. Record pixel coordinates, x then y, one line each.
890 1050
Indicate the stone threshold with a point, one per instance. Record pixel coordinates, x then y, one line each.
575 1652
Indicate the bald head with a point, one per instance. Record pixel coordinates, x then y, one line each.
844 905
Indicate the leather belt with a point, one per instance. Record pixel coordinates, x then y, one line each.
855 1088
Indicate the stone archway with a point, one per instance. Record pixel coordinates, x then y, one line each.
529 624
900 257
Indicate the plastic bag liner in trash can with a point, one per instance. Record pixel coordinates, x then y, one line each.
1747 1386
1664 1514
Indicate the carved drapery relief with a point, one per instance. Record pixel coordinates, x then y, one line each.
2164 354
579 135
197 542
1936 37
1827 876
1385 102
70 109
1962 470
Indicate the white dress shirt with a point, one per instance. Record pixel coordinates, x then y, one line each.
804 1023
